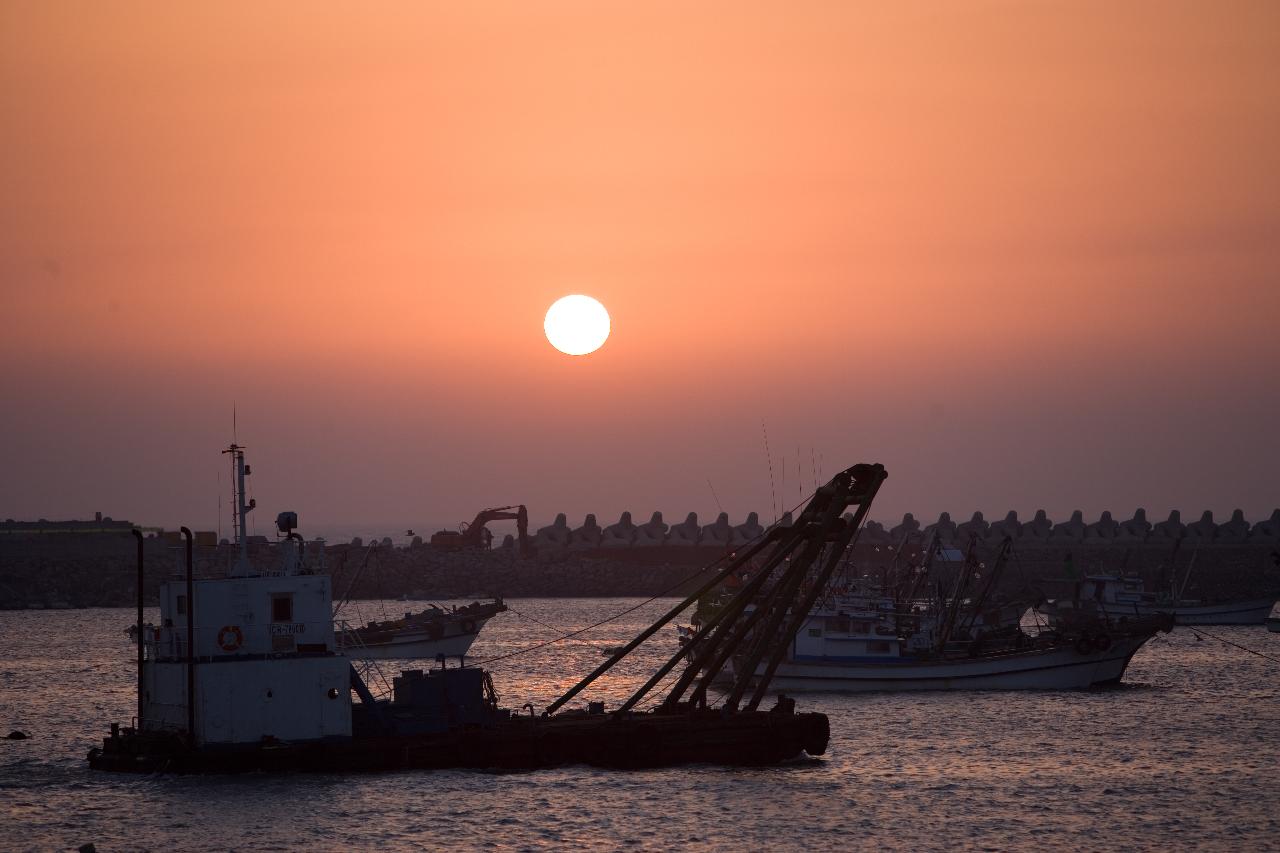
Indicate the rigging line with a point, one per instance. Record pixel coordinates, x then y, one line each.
531 619
782 486
580 631
714 495
666 592
346 598
1197 631
773 495
799 470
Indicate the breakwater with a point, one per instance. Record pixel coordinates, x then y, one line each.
99 570
1040 530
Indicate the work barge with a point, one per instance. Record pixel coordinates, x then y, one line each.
246 674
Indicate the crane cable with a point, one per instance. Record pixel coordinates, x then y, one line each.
1195 629
532 619
666 592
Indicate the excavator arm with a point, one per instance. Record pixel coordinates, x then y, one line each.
474 534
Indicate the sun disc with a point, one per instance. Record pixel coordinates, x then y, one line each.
576 324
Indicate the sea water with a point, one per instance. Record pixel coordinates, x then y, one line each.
1184 754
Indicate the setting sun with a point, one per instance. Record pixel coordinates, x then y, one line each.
576 325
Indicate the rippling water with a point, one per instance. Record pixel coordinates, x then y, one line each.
1185 754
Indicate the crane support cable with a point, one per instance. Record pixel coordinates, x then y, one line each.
570 635
755 542
1197 630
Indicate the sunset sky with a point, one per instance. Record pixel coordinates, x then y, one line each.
1025 254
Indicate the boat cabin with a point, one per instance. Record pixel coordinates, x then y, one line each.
854 626
263 660
250 657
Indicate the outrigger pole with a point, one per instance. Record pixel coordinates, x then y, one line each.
818 526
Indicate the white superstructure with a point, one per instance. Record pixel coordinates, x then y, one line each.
1117 596
858 640
262 662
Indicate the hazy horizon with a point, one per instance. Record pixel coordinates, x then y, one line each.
1024 255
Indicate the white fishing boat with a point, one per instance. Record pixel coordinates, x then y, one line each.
1273 624
1113 596
429 634
863 642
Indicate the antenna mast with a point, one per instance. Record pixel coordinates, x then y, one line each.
239 470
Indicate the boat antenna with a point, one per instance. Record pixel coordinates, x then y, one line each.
239 470
773 494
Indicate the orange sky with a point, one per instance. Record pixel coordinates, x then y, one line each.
1024 254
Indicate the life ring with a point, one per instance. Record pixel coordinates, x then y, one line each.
468 626
1084 645
1102 642
230 638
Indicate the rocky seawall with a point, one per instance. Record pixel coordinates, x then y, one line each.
60 572
103 572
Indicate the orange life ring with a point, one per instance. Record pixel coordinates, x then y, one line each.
230 638
468 626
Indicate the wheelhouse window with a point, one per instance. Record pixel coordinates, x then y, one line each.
282 607
815 632
181 604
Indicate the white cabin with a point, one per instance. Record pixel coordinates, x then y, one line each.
265 662
265 658
851 627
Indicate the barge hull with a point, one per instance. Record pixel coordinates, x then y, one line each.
524 743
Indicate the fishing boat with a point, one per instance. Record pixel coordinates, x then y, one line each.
874 635
1273 624
246 673
1115 596
429 634
861 643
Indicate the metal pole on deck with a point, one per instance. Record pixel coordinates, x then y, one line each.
191 648
142 639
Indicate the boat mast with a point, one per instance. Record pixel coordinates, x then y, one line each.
239 470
